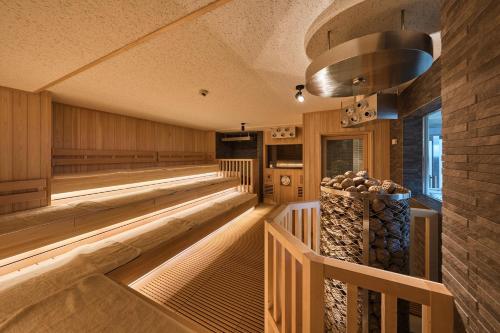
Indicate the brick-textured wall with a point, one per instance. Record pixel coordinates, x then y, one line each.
471 128
421 97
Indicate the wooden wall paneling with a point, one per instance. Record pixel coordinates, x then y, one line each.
327 123
34 144
46 142
210 144
80 128
5 139
20 140
25 140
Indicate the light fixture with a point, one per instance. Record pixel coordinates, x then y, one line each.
298 96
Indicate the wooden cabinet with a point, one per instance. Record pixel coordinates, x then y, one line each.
282 185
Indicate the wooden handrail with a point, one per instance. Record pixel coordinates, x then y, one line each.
294 283
244 168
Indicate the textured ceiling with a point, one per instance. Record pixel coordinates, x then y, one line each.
249 54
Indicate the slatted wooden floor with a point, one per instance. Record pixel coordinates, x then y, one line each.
219 282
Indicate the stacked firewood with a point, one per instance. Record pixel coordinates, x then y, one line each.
342 235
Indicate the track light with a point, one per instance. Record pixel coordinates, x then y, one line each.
298 96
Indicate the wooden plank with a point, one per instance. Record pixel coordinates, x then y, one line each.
312 295
22 198
352 308
276 282
46 142
6 139
34 142
409 288
438 315
294 297
389 312
23 185
20 144
158 255
268 276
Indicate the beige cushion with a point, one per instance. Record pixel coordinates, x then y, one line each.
93 304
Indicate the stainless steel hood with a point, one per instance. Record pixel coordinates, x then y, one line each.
369 64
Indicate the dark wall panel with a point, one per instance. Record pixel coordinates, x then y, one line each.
471 142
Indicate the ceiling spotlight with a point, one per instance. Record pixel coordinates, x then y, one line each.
298 96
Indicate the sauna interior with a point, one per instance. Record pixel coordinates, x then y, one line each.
250 166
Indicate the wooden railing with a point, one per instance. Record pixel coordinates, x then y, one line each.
246 169
295 274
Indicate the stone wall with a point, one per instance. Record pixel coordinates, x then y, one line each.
471 137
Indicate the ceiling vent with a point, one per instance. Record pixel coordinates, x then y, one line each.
283 132
377 106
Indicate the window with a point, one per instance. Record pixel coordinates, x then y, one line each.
433 151
341 154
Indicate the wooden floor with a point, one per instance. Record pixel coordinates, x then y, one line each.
219 282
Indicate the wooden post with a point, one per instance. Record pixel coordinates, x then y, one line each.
437 317
313 285
352 308
389 313
268 276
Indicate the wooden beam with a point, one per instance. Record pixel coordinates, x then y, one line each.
141 40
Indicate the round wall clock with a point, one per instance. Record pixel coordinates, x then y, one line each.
285 180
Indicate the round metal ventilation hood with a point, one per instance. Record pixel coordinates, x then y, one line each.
369 64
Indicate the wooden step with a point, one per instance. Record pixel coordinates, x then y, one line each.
99 179
197 224
28 230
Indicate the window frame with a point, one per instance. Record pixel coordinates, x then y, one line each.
425 156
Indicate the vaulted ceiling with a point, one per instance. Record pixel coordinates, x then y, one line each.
249 55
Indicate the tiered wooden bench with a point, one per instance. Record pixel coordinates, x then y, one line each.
99 179
28 230
81 274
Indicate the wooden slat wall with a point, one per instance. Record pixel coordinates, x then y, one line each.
317 124
80 128
470 72
25 139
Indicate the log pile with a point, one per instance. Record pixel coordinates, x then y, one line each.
343 199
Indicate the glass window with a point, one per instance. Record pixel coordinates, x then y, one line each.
341 155
433 151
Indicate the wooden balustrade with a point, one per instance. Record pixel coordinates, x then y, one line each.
294 281
246 169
